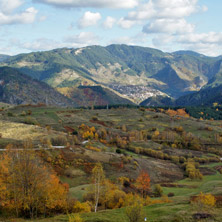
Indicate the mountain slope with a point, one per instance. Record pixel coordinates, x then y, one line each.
205 97
3 57
17 88
93 96
173 73
158 101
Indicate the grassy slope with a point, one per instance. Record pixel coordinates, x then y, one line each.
132 119
179 208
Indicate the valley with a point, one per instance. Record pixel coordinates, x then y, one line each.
145 124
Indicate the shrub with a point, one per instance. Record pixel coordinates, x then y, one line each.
203 202
81 207
31 121
118 151
135 213
75 218
170 194
59 141
23 113
158 191
10 114
94 118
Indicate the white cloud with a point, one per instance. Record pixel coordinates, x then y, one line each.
172 26
126 24
8 6
139 39
158 11
109 22
10 15
25 17
41 44
81 40
208 38
91 3
206 43
175 8
89 19
165 9
162 40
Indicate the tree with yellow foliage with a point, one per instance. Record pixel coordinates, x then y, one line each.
98 179
27 187
135 212
204 202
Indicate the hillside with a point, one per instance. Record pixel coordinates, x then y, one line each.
205 97
93 96
3 57
175 74
209 94
17 88
158 101
181 154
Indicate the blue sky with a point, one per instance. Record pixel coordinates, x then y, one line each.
168 25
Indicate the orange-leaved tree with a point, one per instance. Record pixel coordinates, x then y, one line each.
143 183
27 186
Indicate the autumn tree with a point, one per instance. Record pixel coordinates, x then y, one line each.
204 202
135 213
158 190
27 187
143 183
98 179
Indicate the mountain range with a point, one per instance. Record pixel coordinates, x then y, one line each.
122 74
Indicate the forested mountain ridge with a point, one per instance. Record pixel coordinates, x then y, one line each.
175 74
17 88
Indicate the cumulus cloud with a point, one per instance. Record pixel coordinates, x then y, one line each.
138 39
25 17
172 26
91 3
109 22
164 9
82 39
9 15
206 43
8 6
126 24
89 19
209 38
40 44
158 11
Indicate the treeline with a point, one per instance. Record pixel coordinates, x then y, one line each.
199 112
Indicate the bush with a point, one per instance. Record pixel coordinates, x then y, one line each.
135 213
94 118
170 195
10 114
31 121
81 207
118 151
59 141
23 113
158 190
75 218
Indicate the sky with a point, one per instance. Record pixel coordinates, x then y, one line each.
168 25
